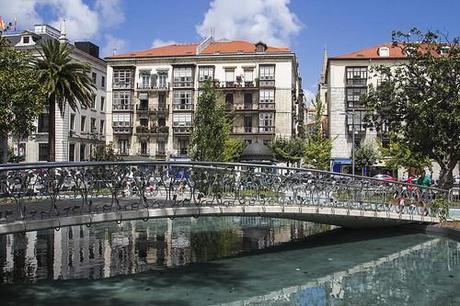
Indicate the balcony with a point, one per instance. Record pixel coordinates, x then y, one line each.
266 130
122 107
160 111
123 130
126 85
142 130
155 130
267 106
244 130
142 152
182 107
250 85
153 87
122 152
246 107
182 130
160 155
142 108
267 83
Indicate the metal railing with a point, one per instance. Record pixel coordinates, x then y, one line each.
52 190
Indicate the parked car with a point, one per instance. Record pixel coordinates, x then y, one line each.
385 177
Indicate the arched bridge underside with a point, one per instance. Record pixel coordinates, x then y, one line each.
52 195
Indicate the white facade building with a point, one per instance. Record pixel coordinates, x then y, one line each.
77 133
344 79
152 94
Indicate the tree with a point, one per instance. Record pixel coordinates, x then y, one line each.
420 98
366 155
397 155
211 127
288 150
233 148
104 153
318 148
21 95
65 80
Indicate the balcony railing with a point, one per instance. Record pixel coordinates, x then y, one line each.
122 152
266 130
266 106
122 107
142 108
142 152
266 83
152 130
246 107
153 87
177 107
122 85
244 130
182 129
160 155
122 130
234 85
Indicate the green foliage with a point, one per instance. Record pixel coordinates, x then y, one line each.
289 150
65 81
420 98
233 147
366 155
21 95
211 127
440 207
318 148
398 155
104 153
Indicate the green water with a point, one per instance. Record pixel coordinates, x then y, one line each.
227 261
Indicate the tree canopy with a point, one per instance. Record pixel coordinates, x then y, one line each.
366 154
211 127
419 99
21 93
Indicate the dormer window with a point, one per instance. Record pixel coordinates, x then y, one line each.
384 51
26 39
261 47
410 50
444 50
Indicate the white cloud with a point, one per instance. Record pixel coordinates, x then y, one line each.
111 43
82 21
309 96
268 20
160 43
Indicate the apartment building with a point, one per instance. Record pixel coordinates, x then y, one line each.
77 133
345 78
152 94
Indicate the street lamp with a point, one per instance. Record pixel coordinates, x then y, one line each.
352 113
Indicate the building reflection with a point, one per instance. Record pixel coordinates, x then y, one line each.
110 249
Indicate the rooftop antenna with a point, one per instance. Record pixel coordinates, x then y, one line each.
114 51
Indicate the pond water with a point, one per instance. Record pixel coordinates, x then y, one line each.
227 261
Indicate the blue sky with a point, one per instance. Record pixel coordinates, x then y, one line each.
306 26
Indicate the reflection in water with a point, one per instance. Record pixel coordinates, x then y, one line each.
321 267
107 250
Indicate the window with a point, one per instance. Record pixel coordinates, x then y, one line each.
43 151
121 119
229 98
248 75
123 146
144 147
102 81
121 100
182 99
94 77
101 127
144 122
93 125
353 96
161 121
267 72
184 119
266 122
183 77
82 152
25 39
145 80
162 101
161 147
357 120
248 98
71 152
356 76
122 78
229 75
43 123
102 103
247 124
206 73
72 122
183 147
82 123
162 80
267 96
93 102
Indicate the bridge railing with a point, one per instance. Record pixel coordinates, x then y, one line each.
49 190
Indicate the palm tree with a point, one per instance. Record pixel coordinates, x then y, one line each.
66 81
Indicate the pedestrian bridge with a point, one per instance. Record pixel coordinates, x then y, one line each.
52 195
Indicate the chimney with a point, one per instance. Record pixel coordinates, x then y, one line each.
114 51
63 36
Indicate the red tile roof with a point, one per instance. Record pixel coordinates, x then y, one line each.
216 47
373 53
